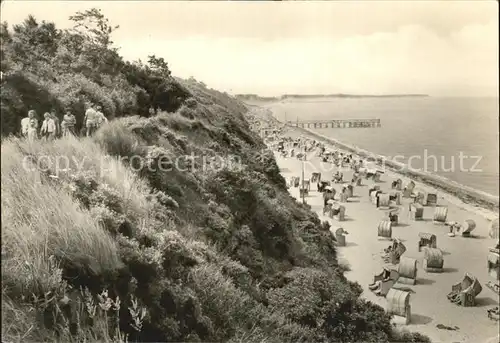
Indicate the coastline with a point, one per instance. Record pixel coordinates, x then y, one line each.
255 97
461 195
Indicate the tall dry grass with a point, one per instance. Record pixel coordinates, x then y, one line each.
43 225
41 220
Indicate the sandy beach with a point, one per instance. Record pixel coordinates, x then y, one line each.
363 252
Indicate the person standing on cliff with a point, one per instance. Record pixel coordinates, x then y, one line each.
26 122
100 118
90 120
57 123
68 124
48 127
32 133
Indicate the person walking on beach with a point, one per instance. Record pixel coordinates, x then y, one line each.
90 120
68 124
26 122
48 127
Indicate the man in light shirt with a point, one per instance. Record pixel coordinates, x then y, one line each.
26 123
90 120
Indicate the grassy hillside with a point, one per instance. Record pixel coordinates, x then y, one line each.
168 225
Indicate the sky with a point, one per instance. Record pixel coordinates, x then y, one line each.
441 48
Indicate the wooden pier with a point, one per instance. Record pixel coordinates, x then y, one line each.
336 123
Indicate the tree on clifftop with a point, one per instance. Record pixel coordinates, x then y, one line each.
44 68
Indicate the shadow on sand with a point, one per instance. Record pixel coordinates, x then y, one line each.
424 281
486 301
404 288
450 270
474 237
418 319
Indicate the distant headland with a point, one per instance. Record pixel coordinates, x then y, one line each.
255 97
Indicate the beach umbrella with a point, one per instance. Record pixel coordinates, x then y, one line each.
494 229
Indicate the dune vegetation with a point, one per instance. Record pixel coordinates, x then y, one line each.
121 237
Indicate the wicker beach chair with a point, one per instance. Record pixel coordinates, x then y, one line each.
393 216
397 184
419 197
337 212
303 192
328 194
307 184
426 239
377 175
348 190
407 271
493 232
383 201
316 177
384 229
395 198
433 260
398 304
494 263
322 185
416 211
374 197
340 236
394 252
408 190
464 293
431 199
343 197
467 227
494 314
372 189
440 214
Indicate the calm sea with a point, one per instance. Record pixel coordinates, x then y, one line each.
430 133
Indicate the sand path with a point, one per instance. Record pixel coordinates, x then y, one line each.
362 253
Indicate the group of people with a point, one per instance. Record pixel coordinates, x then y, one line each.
52 128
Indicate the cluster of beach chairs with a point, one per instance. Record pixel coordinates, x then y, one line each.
464 292
392 203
